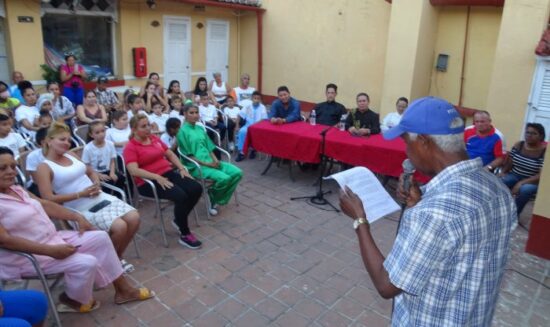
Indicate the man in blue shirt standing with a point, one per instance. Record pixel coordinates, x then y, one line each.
285 109
447 262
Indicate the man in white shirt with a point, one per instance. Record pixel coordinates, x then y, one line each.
393 118
243 93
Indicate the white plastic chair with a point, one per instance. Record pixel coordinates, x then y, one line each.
207 183
158 205
43 278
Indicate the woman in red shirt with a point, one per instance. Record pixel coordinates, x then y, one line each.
148 157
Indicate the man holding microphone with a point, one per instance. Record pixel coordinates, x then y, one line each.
448 259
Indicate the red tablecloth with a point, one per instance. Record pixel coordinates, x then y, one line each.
374 152
302 142
296 141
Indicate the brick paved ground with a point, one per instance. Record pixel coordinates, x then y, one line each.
276 262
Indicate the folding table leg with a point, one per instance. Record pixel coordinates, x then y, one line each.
271 160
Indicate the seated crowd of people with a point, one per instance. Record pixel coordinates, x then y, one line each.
145 132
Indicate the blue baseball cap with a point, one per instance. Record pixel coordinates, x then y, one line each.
429 116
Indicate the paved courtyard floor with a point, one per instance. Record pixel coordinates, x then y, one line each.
275 262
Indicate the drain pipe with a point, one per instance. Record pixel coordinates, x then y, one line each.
259 19
464 50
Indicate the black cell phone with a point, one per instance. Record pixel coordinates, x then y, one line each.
99 206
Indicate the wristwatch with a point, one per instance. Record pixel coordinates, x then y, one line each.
359 221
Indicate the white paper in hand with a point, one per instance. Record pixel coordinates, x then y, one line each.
377 202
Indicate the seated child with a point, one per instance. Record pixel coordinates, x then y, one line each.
11 140
157 118
100 155
252 114
176 104
209 116
35 158
119 134
231 110
169 136
45 119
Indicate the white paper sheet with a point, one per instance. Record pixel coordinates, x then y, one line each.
377 202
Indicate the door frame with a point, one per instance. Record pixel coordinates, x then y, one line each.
538 76
226 22
186 19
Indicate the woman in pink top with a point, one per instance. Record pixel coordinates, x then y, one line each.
66 180
148 157
72 76
85 257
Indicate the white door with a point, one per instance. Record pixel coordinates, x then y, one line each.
217 48
4 69
177 51
538 107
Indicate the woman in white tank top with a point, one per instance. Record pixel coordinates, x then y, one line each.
219 88
64 179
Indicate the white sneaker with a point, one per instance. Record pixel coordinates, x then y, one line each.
126 266
231 146
213 210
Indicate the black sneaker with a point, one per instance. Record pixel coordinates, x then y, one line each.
190 241
252 154
240 157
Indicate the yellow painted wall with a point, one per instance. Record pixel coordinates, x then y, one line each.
310 43
424 54
523 22
409 52
25 39
135 30
248 49
484 27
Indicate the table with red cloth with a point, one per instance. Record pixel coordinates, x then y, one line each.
301 141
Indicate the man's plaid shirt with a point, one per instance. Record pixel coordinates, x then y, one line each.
106 97
451 250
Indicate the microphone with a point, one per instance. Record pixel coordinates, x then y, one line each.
408 171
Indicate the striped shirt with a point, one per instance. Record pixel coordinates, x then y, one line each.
523 165
451 250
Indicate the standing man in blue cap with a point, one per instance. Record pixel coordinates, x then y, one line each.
448 259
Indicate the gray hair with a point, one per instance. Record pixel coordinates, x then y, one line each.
450 143
216 74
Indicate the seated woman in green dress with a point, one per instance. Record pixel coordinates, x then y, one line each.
195 143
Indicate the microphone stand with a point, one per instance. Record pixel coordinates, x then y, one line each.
319 197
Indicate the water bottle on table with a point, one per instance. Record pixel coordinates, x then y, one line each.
313 118
343 123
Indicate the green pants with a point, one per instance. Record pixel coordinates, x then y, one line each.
226 178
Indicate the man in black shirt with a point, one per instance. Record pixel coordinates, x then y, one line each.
329 112
363 121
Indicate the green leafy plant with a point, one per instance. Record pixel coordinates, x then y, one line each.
50 74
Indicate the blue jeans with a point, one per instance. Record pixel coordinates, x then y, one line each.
23 308
526 191
74 94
